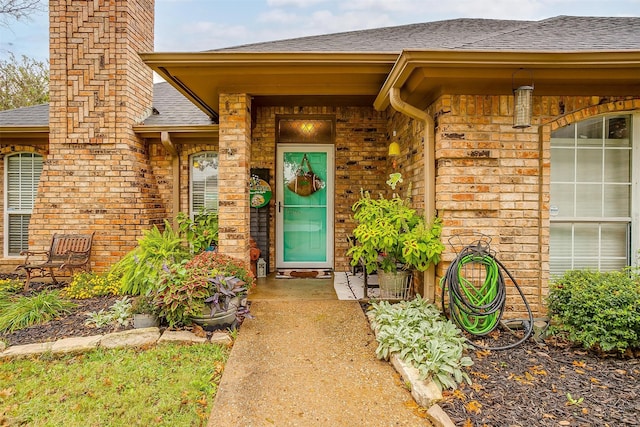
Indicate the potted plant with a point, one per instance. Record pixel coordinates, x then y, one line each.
209 286
144 312
393 239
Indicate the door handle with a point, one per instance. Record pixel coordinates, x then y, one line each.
279 207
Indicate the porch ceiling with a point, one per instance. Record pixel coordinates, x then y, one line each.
307 78
274 77
425 75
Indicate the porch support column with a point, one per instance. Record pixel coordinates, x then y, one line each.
234 160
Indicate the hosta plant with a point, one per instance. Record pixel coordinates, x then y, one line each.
422 337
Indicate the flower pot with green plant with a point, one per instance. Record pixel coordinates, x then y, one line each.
144 312
392 238
208 286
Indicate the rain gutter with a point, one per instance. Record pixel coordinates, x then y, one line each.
398 104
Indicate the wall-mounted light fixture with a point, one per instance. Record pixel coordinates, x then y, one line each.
522 101
394 150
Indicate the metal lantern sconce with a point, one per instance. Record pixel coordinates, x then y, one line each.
394 150
522 102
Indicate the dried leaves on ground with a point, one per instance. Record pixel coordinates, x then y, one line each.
547 384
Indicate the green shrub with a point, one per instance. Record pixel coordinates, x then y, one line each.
90 285
19 312
422 337
201 232
140 268
599 310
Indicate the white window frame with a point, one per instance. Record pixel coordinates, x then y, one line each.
634 219
193 211
21 210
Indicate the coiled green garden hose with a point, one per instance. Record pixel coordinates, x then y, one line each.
477 304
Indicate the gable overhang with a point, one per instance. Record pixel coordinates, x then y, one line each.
24 135
423 76
274 78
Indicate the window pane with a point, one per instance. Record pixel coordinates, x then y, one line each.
562 205
589 167
601 192
564 157
586 240
618 131
590 132
617 200
617 166
23 175
204 182
589 200
614 239
18 234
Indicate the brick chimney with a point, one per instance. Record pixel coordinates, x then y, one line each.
97 175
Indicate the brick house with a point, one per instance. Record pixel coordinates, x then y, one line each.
114 153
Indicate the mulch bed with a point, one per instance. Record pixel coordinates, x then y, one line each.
534 384
546 384
72 325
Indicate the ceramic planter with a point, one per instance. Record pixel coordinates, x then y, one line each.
219 320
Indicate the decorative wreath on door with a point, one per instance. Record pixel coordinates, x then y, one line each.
305 182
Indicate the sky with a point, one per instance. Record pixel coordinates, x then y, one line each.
197 25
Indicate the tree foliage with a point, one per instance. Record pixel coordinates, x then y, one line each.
18 9
23 82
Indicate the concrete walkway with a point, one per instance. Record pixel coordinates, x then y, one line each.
307 359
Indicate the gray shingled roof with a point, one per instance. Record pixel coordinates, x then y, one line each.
562 33
171 108
37 115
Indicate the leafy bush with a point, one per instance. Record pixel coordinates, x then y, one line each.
19 312
422 337
201 232
390 235
597 309
184 287
140 268
90 285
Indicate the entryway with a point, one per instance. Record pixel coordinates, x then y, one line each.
304 206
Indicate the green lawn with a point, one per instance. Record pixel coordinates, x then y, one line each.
166 385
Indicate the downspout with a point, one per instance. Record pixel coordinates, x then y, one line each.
398 104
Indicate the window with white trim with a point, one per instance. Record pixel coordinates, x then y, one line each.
592 188
22 174
203 183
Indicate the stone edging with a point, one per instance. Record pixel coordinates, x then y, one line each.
128 338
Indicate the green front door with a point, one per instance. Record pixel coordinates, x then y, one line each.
304 206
